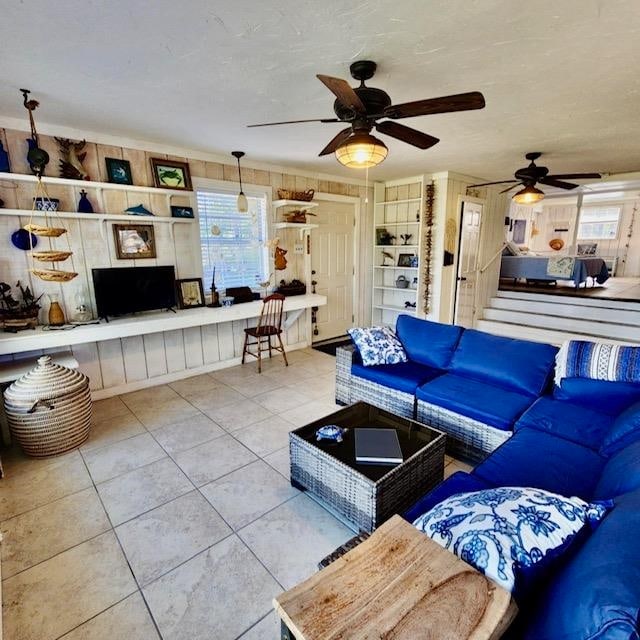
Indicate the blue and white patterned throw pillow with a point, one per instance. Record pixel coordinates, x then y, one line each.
511 534
378 345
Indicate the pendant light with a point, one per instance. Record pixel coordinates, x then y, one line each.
528 195
243 204
361 150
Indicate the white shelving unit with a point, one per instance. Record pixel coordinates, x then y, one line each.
398 209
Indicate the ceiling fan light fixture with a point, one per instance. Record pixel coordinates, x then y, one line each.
242 202
528 195
361 150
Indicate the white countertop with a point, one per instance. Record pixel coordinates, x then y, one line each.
149 322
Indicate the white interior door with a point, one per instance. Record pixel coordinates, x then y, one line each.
332 264
468 251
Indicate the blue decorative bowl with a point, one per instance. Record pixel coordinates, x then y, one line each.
330 432
20 239
46 204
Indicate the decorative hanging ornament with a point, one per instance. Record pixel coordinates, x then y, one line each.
38 158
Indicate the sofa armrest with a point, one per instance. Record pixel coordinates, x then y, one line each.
344 359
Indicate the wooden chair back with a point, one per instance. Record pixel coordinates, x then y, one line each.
271 314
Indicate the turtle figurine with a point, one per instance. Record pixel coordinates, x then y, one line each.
331 432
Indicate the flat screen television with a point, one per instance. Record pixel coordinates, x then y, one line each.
123 290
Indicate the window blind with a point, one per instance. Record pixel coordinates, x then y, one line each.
599 223
232 242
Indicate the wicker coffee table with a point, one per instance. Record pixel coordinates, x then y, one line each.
364 494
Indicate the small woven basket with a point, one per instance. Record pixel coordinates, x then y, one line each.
47 232
51 256
301 196
49 409
53 275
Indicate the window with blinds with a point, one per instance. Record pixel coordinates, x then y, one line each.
232 242
599 223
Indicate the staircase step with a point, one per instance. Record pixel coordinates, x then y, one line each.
560 323
567 309
536 334
604 303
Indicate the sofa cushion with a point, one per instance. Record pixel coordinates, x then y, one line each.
566 420
406 376
377 345
532 458
477 400
510 534
517 365
599 395
597 594
458 482
624 431
621 473
428 343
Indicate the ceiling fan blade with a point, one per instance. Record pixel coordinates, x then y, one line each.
486 184
513 186
336 141
407 134
575 176
557 183
344 92
271 124
443 104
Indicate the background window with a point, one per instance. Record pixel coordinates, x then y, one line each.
232 242
599 223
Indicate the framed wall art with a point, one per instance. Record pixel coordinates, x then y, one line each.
190 293
181 212
134 241
118 171
171 174
406 260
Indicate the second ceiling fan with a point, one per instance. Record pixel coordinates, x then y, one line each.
362 107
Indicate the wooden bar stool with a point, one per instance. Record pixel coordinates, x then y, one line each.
269 324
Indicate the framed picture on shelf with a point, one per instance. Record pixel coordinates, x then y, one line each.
406 260
118 171
134 241
181 212
171 174
190 293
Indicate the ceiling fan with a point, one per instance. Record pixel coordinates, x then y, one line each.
529 176
362 107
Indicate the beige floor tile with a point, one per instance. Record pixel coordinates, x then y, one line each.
207 401
280 461
244 495
307 532
236 416
118 458
456 465
109 408
254 385
42 482
281 399
195 384
317 386
310 411
167 536
127 620
293 374
161 414
57 595
15 462
152 395
266 436
267 629
108 430
214 459
218 594
133 493
187 434
234 373
46 531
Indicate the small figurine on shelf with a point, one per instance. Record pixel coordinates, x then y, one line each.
215 298
405 238
265 285
386 255
84 205
280 262
56 314
71 159
386 238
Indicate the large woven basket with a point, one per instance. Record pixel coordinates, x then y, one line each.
49 409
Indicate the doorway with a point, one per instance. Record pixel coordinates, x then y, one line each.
332 267
468 252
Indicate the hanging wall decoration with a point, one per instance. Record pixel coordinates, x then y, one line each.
428 245
36 157
71 159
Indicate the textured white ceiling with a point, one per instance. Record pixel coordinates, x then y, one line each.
559 76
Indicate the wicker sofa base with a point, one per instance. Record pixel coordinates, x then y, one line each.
466 438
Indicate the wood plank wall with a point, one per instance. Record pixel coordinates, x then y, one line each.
138 361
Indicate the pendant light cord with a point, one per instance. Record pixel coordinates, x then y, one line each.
239 174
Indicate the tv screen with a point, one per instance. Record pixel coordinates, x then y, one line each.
125 290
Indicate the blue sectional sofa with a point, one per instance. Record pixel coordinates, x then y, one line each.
472 385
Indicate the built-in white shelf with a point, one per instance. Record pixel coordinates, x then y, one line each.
407 200
396 246
90 184
100 217
294 203
396 224
394 288
375 266
295 225
387 307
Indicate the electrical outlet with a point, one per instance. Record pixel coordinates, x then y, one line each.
298 249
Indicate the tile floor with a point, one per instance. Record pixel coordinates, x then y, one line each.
176 519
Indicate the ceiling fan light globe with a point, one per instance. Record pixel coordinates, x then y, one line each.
361 150
243 203
528 195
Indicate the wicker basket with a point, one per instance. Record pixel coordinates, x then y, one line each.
47 232
49 409
301 196
51 256
53 275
